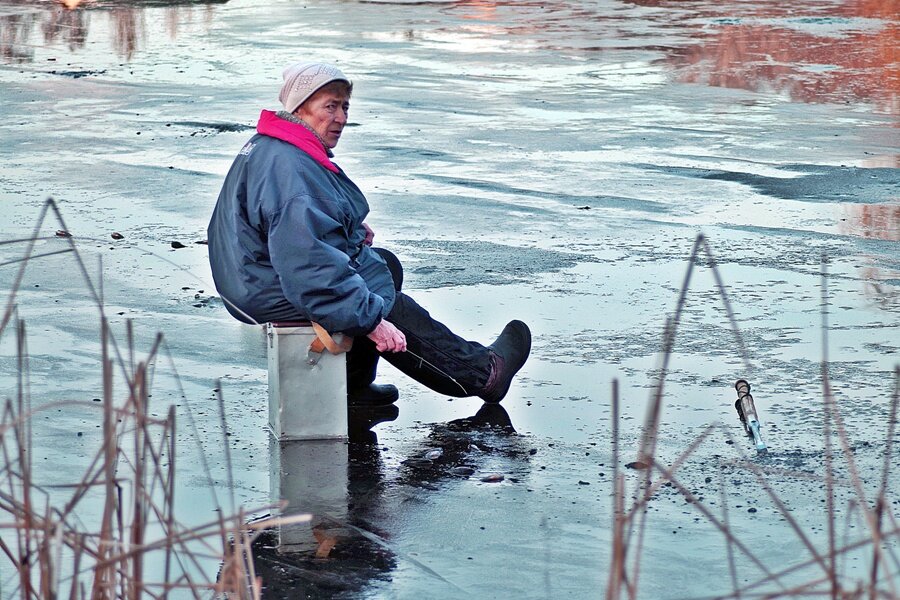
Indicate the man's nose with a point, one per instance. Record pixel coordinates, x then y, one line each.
341 116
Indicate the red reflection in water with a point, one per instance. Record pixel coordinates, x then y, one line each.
878 221
809 68
484 10
814 53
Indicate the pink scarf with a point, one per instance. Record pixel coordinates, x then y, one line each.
298 135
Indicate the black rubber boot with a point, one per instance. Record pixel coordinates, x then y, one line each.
508 353
373 395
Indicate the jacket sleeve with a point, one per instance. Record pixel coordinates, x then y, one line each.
309 249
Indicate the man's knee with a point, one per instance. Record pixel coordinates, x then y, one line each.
394 266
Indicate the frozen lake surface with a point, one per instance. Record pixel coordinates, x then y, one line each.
549 161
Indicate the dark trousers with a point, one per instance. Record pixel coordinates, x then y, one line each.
435 357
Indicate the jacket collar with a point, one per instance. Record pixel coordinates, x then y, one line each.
297 135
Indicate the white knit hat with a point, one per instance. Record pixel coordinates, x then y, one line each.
302 80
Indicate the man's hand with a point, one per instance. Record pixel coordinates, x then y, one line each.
370 235
388 338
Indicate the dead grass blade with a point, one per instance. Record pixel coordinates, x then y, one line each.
131 479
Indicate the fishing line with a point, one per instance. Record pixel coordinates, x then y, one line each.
447 375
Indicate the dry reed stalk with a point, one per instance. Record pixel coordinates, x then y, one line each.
227 578
137 488
729 547
76 567
104 578
118 567
192 423
788 517
682 458
138 521
873 517
652 420
250 585
839 552
617 574
894 525
24 462
827 419
169 516
17 281
210 529
253 581
647 447
224 427
829 489
706 512
881 503
637 509
238 574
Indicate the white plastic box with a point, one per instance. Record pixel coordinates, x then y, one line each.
307 390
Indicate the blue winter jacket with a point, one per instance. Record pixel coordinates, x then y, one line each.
286 237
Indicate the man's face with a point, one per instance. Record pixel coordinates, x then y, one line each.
326 111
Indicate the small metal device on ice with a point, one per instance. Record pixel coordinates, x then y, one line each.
747 412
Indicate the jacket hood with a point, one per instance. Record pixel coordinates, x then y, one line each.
272 125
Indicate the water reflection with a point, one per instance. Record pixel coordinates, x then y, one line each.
67 23
879 222
810 51
348 488
68 26
875 221
15 32
339 484
454 450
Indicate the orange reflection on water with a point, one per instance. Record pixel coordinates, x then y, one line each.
807 67
484 10
877 221
812 51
